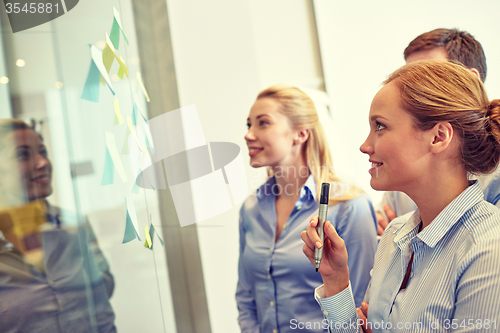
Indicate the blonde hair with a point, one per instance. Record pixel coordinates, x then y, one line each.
298 107
438 90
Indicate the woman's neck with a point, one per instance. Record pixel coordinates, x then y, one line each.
436 192
290 180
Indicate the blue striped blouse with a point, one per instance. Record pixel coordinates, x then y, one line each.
454 284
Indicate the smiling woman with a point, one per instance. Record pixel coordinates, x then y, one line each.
276 282
431 126
53 277
34 164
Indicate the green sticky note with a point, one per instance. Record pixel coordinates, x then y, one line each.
130 233
119 23
91 89
114 35
107 176
125 37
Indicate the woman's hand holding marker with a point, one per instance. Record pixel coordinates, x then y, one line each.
333 268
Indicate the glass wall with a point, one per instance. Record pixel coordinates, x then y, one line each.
82 245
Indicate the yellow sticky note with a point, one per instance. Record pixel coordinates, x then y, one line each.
123 67
108 56
110 53
117 111
148 237
141 84
120 70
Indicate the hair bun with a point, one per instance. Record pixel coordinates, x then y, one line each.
493 112
493 117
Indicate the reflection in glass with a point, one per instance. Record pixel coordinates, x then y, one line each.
53 275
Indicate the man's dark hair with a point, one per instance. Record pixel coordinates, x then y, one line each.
459 45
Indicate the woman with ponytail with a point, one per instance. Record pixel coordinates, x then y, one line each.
276 282
436 269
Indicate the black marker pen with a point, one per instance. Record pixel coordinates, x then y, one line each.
323 211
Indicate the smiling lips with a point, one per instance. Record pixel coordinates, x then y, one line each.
42 180
254 151
375 165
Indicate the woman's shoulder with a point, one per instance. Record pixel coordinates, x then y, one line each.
482 221
249 203
250 208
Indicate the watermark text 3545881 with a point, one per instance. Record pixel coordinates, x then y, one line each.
26 14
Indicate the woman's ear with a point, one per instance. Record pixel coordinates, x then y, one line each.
301 137
442 136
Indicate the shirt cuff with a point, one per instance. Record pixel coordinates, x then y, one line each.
339 307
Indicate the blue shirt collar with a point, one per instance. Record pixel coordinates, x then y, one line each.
445 220
311 187
266 190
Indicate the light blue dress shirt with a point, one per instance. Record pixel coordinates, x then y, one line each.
455 279
276 280
70 295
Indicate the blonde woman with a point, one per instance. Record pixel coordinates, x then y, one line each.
275 279
436 269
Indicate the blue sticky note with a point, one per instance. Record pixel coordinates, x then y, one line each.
138 111
114 35
156 232
130 233
107 175
153 231
91 89
135 188
134 115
